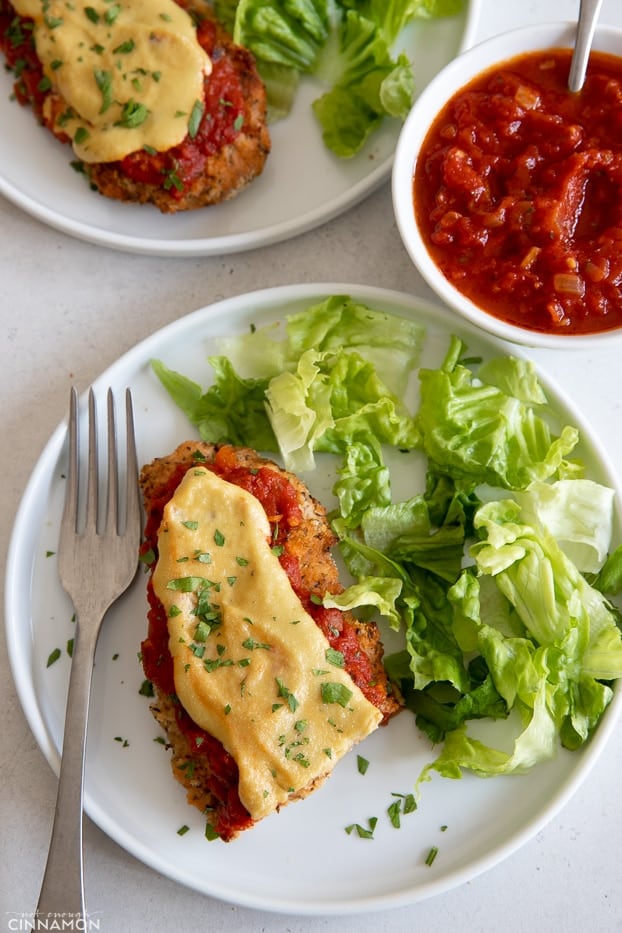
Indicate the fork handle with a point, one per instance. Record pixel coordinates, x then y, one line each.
62 890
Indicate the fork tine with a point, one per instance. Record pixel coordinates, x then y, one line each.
92 489
112 493
70 508
132 515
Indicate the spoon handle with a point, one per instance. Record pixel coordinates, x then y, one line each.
588 15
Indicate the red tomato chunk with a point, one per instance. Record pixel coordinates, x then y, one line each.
518 193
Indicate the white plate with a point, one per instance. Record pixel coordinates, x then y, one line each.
302 186
301 860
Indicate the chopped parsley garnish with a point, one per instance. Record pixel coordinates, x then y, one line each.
111 13
253 645
146 689
148 557
183 830
402 805
172 180
202 631
335 693
81 135
53 657
287 695
195 118
132 115
335 658
125 47
53 22
103 80
362 764
431 855
186 584
361 831
212 664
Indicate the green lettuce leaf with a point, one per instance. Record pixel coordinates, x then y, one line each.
552 654
579 515
347 46
475 429
232 410
369 85
320 386
289 33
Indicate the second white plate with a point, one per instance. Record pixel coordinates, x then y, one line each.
302 186
301 860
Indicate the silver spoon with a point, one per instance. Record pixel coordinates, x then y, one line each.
588 15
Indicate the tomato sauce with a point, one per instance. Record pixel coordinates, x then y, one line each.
222 121
518 193
280 502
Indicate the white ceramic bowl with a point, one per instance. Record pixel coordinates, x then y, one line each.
451 79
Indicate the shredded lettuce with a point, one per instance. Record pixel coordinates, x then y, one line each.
346 45
498 573
369 85
499 617
480 429
334 380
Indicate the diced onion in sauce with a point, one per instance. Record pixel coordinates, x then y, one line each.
530 257
569 284
527 97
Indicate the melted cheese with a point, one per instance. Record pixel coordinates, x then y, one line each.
129 71
262 679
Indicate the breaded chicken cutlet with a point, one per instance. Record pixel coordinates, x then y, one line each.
223 142
259 688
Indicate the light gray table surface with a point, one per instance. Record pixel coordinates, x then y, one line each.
68 310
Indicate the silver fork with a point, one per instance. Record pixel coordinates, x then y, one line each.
97 561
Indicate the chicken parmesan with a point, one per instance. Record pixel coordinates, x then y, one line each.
158 103
259 688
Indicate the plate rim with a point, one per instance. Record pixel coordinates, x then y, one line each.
22 534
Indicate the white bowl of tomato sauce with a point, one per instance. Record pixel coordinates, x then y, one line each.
507 188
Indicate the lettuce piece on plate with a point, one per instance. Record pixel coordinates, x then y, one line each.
553 665
392 17
286 38
578 513
329 382
346 46
232 411
367 85
499 617
289 33
479 428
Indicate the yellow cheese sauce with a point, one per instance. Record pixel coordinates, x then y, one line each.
251 667
130 72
